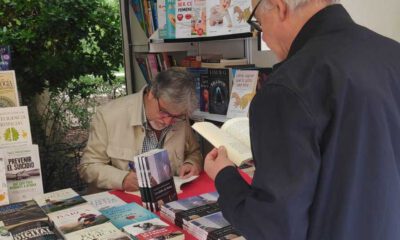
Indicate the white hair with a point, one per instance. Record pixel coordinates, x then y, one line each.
293 4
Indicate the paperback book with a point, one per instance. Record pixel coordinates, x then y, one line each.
105 231
14 127
219 80
8 89
4 197
103 200
37 230
59 200
76 218
23 171
19 213
234 134
153 229
124 215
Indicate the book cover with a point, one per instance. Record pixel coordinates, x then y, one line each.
162 19
153 229
21 212
160 177
59 200
183 16
142 63
204 93
153 64
171 20
137 7
199 18
219 85
227 17
243 91
35 230
234 134
23 171
76 218
15 128
197 72
5 234
4 197
103 200
5 58
127 214
8 89
105 231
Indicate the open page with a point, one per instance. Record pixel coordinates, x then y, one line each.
238 152
238 128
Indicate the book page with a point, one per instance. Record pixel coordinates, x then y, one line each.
237 151
239 128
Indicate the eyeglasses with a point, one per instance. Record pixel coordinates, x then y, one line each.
166 114
254 23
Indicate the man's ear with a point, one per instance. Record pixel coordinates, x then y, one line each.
282 8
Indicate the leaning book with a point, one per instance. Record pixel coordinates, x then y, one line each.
234 135
14 127
23 171
8 89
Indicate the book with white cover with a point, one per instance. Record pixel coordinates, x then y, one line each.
243 91
103 200
8 89
105 231
234 135
76 218
153 229
15 128
59 200
4 198
23 171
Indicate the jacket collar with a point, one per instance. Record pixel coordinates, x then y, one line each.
136 109
327 20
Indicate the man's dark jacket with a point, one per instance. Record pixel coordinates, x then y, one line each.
325 134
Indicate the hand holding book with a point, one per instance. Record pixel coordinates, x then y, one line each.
215 161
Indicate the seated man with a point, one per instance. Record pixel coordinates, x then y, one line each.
155 117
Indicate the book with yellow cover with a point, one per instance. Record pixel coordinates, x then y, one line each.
8 89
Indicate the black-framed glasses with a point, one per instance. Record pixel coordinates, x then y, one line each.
254 23
165 114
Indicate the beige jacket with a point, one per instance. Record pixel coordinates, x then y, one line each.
116 136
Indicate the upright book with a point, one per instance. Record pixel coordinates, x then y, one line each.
234 135
15 128
243 91
23 171
8 89
219 80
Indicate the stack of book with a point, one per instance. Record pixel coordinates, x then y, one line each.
25 220
200 216
155 178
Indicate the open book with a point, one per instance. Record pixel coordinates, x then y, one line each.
234 135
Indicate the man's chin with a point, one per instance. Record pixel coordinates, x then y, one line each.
157 126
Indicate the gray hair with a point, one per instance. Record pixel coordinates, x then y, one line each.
293 4
176 86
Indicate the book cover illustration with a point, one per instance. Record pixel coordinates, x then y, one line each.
153 229
243 91
20 212
227 17
23 171
15 128
76 218
103 200
171 19
8 89
35 230
127 214
219 85
59 200
160 176
5 58
4 197
5 234
197 73
199 18
183 17
105 231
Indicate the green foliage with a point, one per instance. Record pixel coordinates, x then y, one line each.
55 41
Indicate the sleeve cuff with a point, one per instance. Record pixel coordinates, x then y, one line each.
229 182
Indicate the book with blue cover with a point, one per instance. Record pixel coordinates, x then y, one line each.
124 215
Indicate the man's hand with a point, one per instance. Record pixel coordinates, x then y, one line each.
188 170
130 182
215 161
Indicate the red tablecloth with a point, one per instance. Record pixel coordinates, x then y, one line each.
203 184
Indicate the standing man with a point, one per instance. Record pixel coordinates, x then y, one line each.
325 131
155 117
